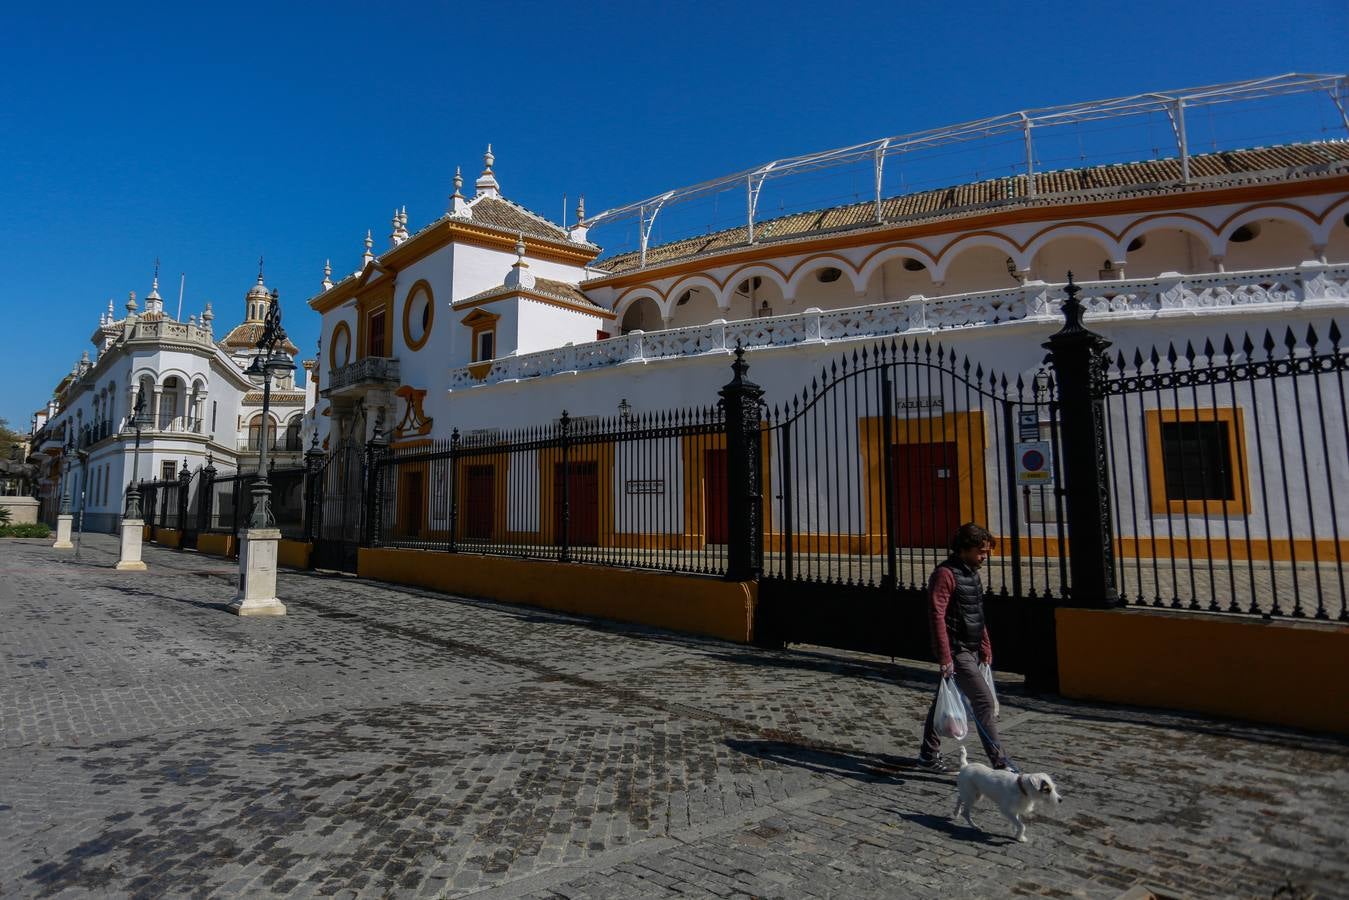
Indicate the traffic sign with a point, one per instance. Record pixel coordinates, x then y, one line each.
1034 463
1028 425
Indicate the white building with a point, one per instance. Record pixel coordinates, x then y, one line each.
199 405
493 317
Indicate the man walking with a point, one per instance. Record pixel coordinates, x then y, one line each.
960 641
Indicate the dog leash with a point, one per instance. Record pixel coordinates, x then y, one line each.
969 708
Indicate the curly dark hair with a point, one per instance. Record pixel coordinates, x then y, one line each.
969 536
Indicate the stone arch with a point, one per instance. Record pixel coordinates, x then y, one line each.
895 251
814 264
767 273
642 311
628 299
978 263
890 266
693 301
1286 236
1333 234
1082 249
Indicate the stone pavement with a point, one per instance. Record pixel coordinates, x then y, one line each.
385 741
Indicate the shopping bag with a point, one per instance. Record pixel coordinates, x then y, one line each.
949 719
987 672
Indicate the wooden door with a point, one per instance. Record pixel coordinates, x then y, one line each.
715 487
927 494
411 505
583 500
479 513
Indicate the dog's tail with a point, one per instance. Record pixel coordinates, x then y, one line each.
964 759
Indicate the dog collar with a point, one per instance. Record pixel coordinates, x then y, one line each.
1021 783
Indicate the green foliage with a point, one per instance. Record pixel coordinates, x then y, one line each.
27 530
5 515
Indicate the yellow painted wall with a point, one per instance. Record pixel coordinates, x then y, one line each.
216 544
689 603
294 554
168 537
1282 673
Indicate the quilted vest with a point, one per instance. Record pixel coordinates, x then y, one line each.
965 612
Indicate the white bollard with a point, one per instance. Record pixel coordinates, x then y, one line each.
257 574
63 527
133 533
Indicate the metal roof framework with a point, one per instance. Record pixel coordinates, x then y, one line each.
1172 103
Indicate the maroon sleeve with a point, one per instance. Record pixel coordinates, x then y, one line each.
986 647
939 590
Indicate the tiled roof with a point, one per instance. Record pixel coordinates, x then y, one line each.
1097 181
246 336
558 290
500 213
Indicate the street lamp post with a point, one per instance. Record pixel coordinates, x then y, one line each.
261 538
133 527
64 517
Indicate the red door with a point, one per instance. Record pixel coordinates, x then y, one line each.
715 487
583 502
927 494
479 514
410 501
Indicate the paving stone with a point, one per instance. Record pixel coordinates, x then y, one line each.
388 741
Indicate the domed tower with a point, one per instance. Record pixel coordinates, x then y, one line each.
241 343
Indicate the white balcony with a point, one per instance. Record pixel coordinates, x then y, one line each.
1142 298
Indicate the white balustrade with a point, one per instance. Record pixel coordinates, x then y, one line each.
1036 301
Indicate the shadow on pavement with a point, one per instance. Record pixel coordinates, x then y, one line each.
851 764
959 832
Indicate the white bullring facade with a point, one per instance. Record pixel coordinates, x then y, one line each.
199 406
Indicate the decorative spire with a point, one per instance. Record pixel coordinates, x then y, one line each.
131 304
395 237
581 210
578 231
457 202
487 182
260 270
207 316
327 274
519 275
369 256
153 302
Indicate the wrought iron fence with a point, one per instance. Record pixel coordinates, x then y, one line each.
873 466
645 490
1229 470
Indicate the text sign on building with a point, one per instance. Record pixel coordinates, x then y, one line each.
1028 425
1034 463
923 406
653 486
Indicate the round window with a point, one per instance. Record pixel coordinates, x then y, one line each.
418 315
829 274
340 352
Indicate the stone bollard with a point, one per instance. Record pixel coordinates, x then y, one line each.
257 574
133 533
63 528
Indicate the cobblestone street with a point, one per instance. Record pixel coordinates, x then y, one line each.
387 741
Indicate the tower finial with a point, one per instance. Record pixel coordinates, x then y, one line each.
327 274
369 256
487 182
520 247
458 182
259 270
581 210
519 276
487 160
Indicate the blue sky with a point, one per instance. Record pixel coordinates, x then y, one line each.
207 135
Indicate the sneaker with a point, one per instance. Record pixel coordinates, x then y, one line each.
934 764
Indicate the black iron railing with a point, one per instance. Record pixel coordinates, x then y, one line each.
645 490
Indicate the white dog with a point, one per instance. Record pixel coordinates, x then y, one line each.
1016 795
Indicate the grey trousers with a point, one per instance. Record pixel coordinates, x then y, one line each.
972 685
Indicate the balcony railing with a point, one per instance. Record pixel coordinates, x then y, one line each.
1035 302
370 371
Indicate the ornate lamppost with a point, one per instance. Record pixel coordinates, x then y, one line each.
133 527
64 517
261 538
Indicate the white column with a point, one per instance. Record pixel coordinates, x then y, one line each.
133 533
257 574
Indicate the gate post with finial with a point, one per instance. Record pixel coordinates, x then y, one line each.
206 495
1078 356
741 402
313 471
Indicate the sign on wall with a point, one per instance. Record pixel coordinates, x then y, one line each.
1034 463
650 486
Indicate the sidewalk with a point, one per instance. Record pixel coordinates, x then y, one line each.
388 741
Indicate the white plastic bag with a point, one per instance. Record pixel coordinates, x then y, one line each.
949 719
987 671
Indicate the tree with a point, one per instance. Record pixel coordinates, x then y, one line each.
8 438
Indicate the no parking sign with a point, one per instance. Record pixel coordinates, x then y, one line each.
1034 463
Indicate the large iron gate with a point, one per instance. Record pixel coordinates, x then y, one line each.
338 507
871 468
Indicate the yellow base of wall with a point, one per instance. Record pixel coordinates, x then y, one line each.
293 554
1281 673
168 537
217 544
688 603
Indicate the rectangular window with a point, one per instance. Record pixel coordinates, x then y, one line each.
1196 461
167 470
375 335
486 345
1195 458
